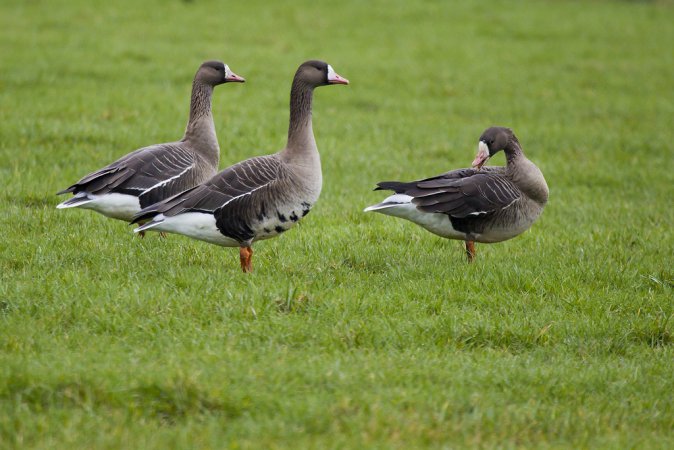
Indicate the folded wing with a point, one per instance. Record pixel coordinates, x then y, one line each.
221 193
151 173
460 193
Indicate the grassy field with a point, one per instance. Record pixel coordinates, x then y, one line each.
356 330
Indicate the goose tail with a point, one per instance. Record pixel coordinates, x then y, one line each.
77 200
395 200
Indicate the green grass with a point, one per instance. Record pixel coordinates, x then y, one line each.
356 330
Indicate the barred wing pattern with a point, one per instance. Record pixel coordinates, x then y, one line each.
150 173
460 193
236 197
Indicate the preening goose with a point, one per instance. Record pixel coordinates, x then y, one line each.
258 198
481 204
150 174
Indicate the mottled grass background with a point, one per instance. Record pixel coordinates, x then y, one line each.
356 330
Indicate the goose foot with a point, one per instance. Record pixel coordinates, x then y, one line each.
162 234
470 251
246 258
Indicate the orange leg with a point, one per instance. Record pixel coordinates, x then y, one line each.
470 250
246 258
161 234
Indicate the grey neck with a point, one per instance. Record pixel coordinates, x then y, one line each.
200 131
301 143
513 150
200 104
524 173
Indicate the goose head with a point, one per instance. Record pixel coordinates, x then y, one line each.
216 72
492 141
318 73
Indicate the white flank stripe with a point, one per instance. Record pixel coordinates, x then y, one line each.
161 183
510 204
244 194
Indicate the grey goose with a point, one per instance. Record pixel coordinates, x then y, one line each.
479 204
258 198
150 174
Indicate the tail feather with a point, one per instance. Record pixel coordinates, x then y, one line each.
144 215
67 190
146 226
377 207
74 202
161 207
396 186
393 200
150 212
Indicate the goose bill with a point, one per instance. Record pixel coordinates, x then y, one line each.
334 77
231 76
482 155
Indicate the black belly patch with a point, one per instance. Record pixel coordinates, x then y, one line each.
281 217
294 217
279 229
306 207
470 224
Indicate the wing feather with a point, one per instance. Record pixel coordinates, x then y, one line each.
460 193
221 192
151 173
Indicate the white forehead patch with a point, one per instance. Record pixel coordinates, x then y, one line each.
331 73
228 73
482 148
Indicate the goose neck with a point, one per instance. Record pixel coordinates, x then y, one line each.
524 173
513 151
300 131
200 130
200 103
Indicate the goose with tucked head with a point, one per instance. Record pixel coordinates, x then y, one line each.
480 204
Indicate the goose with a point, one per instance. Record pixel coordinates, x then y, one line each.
478 204
150 174
258 198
